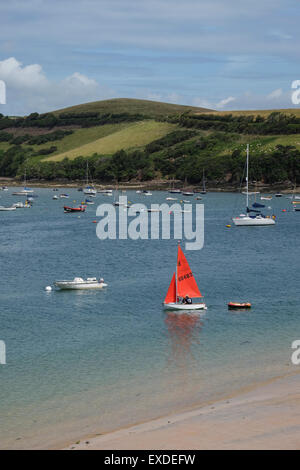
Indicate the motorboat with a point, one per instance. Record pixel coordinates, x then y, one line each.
78 284
2 208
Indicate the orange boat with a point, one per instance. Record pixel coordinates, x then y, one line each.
238 305
183 288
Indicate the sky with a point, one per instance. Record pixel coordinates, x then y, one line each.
219 54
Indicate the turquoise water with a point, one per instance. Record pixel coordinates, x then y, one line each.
80 363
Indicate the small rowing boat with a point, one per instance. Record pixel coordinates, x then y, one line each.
239 305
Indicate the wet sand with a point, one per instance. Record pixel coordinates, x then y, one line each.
266 417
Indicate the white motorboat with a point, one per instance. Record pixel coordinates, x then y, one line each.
79 283
252 217
2 208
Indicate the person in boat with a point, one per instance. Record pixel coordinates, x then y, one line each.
101 280
187 300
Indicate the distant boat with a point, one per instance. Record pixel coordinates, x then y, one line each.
78 284
203 183
239 305
24 191
187 193
266 198
278 195
2 208
64 196
74 209
183 288
253 217
89 190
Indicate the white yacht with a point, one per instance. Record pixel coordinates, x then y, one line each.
252 217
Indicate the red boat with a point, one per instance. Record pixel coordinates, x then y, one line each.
74 209
239 305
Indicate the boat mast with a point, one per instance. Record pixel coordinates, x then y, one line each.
247 177
87 172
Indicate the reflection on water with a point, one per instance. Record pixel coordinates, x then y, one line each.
183 333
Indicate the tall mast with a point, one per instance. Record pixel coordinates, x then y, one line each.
247 176
87 172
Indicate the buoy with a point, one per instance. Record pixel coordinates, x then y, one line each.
94 221
48 289
228 226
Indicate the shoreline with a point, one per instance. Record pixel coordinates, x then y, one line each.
158 185
261 416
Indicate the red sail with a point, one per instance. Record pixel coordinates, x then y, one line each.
171 294
186 284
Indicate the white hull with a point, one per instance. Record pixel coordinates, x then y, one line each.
79 284
8 208
90 193
174 306
249 221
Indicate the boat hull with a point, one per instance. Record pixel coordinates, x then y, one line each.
65 285
186 307
249 221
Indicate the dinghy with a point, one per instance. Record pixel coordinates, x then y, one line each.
183 288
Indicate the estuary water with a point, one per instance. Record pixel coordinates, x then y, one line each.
82 363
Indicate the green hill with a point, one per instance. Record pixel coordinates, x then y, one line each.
127 139
131 106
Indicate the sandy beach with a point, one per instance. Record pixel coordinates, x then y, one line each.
266 417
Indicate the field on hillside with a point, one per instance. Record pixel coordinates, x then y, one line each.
261 112
131 106
132 135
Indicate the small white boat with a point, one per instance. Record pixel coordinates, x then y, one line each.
55 198
147 193
2 208
79 283
171 198
266 198
183 288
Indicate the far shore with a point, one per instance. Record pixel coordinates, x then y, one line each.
154 185
266 416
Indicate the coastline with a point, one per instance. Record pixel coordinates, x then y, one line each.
159 185
264 416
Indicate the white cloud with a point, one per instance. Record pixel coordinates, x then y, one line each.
224 102
275 94
28 89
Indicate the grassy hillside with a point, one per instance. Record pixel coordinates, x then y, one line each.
258 112
127 137
123 142
131 106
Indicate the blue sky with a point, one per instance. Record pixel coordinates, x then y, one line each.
221 54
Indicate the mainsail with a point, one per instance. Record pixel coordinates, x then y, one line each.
186 284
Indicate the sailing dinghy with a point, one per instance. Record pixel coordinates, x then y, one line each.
183 288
